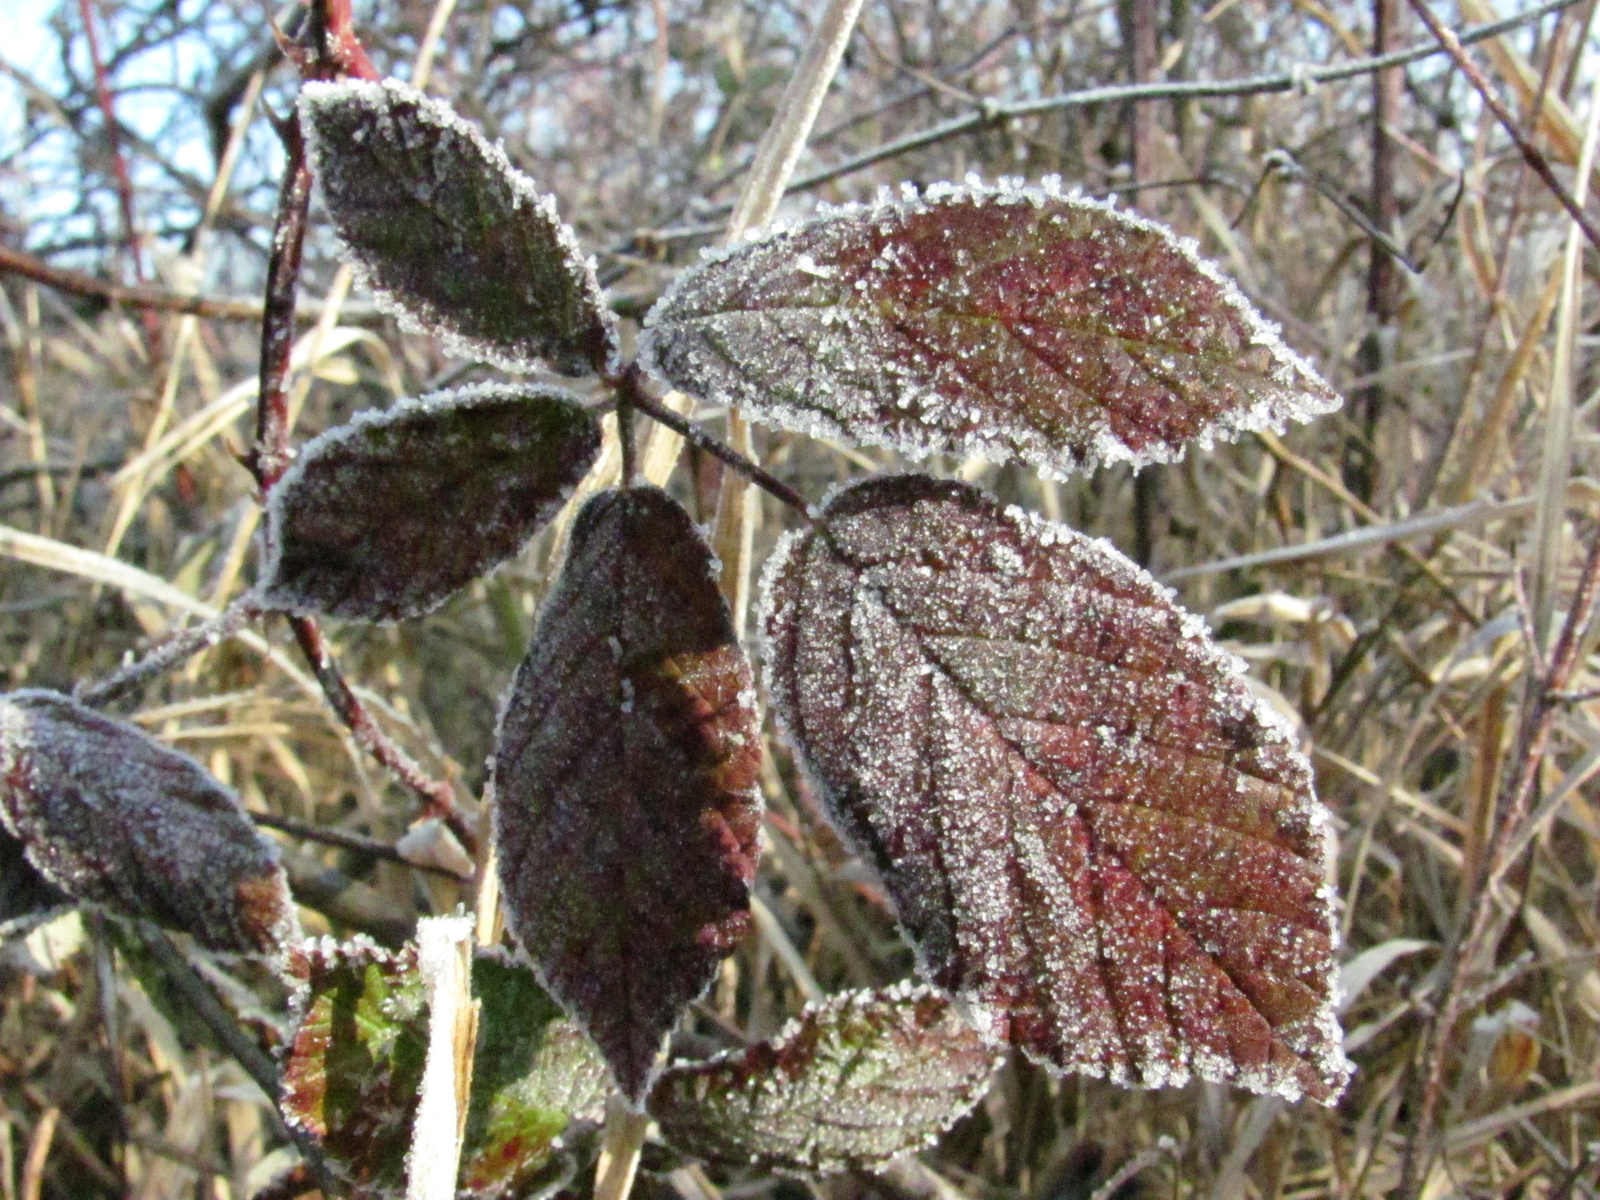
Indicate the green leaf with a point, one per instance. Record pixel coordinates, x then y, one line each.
853 1082
533 1073
353 1070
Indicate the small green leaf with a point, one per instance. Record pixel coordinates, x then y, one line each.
353 1070
853 1082
533 1073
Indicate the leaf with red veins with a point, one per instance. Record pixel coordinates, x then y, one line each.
853 1082
112 817
386 516
1096 836
449 235
624 779
1010 323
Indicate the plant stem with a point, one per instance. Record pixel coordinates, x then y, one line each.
175 649
619 1150
632 385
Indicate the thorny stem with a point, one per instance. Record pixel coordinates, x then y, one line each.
1460 957
170 652
1530 153
337 53
631 393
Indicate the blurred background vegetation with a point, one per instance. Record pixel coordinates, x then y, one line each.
1386 221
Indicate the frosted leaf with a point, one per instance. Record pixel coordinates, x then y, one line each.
534 1072
112 817
386 516
354 1067
1009 323
1095 835
853 1082
27 898
449 234
624 776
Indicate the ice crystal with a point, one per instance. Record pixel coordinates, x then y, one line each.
386 516
624 777
448 234
1007 322
1095 835
112 817
853 1082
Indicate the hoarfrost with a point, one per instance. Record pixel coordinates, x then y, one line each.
1099 840
384 517
624 780
1003 322
853 1082
449 235
112 817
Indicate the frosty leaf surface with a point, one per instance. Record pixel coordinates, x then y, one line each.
111 816
353 1069
1010 323
534 1072
449 234
852 1082
624 779
384 517
1096 836
27 898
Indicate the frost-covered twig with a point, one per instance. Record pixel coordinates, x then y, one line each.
169 653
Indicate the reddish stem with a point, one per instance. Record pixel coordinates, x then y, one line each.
272 454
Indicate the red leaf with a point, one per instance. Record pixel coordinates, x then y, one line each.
1097 837
624 779
386 516
449 234
111 816
853 1082
1007 323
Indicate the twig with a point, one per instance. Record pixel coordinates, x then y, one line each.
995 113
437 797
272 455
1453 46
257 1064
632 383
345 841
119 164
167 654
17 262
1165 1147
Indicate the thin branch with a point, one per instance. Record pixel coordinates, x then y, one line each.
17 262
345 841
272 454
255 1061
698 438
1453 46
1300 77
175 649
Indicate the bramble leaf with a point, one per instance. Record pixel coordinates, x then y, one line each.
534 1072
449 234
1010 322
354 1066
853 1082
1098 838
624 779
386 516
113 817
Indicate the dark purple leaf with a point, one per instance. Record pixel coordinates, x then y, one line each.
1006 323
386 516
853 1082
111 816
449 234
624 779
1098 838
